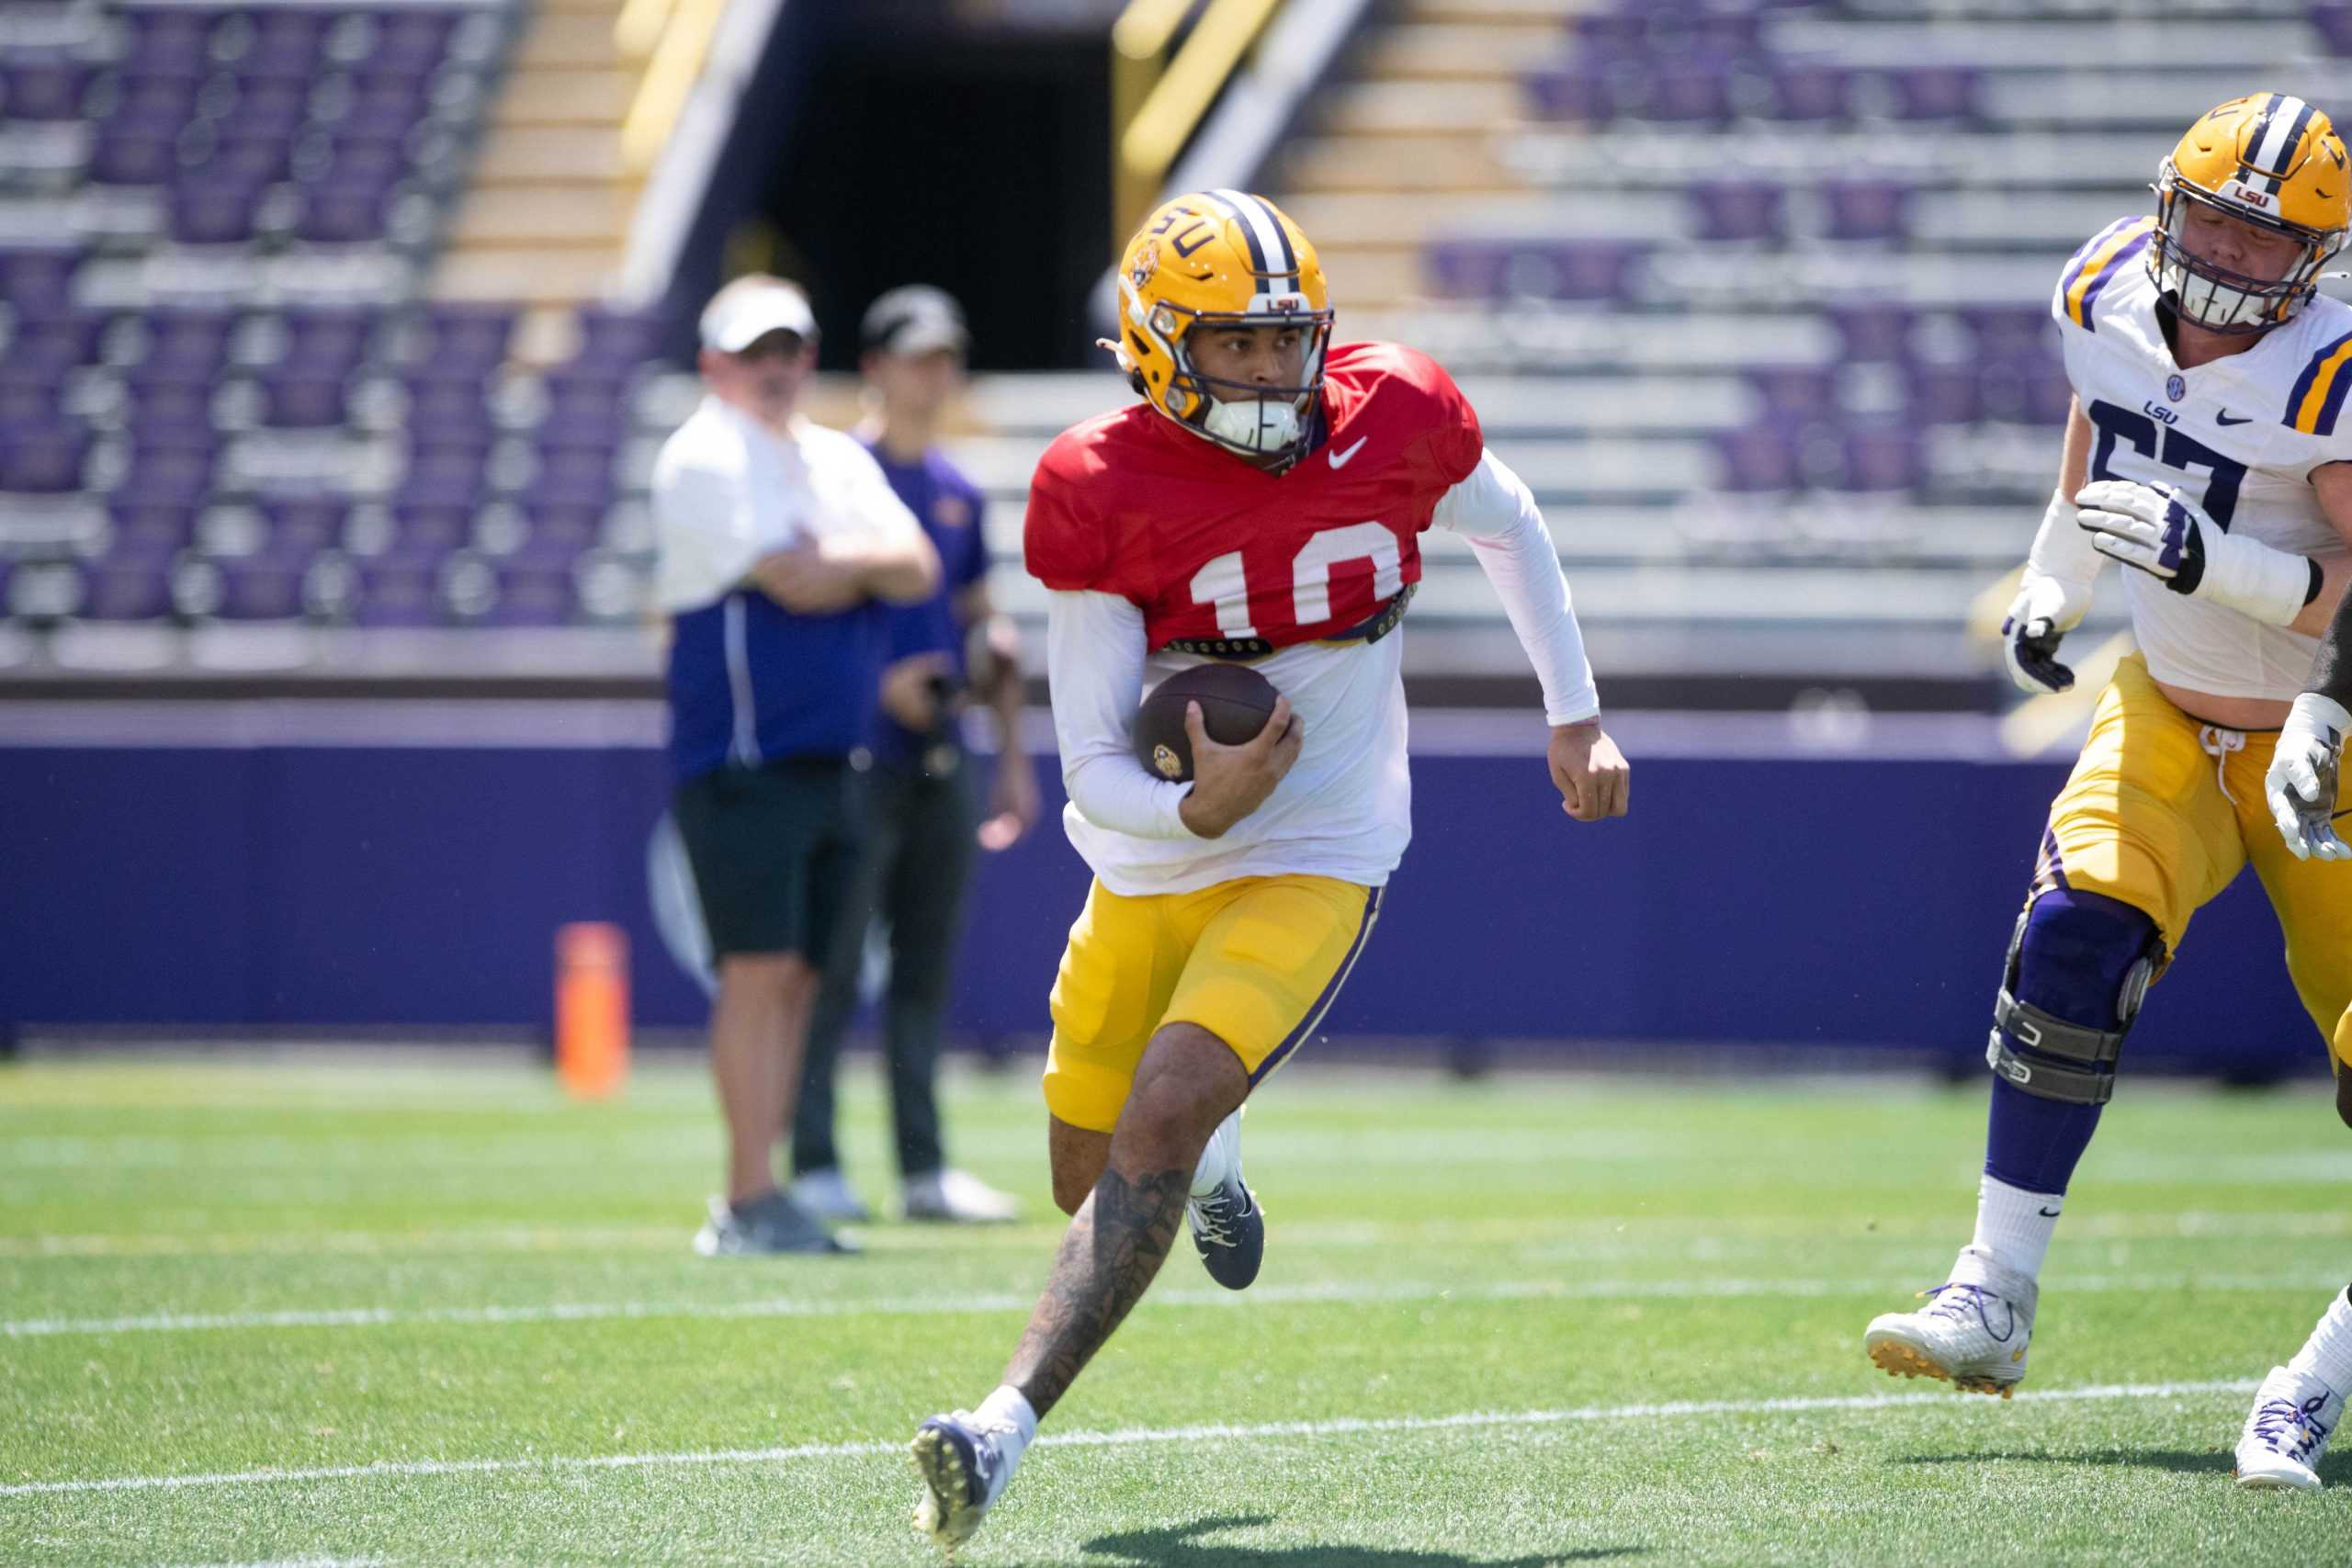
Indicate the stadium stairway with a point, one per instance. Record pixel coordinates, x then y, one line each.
545 218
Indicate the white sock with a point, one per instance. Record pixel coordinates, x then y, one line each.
1008 1407
2014 1226
1220 1159
2327 1354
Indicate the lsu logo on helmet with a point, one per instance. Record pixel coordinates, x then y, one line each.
1221 258
2267 159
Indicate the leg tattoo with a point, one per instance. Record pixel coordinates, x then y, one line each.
1115 1245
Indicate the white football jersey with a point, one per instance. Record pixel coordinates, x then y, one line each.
2240 437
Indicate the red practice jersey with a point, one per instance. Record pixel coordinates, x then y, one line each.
1215 550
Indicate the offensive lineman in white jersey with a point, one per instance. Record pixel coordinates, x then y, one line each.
2208 453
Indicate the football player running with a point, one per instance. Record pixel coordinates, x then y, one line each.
2204 452
1264 502
2300 1403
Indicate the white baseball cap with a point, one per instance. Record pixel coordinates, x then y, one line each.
750 307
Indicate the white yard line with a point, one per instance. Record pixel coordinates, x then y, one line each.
1333 1294
1137 1436
1632 1234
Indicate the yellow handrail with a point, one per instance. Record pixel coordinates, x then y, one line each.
669 80
1152 132
638 27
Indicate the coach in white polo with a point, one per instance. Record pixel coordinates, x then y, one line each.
780 545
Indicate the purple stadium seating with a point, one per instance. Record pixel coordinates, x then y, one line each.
1737 210
210 212
188 341
1761 458
170 34
305 524
1882 456
142 151
54 342
129 590
150 526
617 340
1682 91
2010 332
46 86
561 532
1943 394
1810 90
2031 390
399 591
1555 269
323 341
264 587
1793 390
1578 93
1872 331
30 395
446 477
44 458
38 281
386 121
145 95
170 395
303 399
2333 24
1866 210
168 476
1936 92
428 530
343 212
534 593
381 164
257 159
279 106
471 338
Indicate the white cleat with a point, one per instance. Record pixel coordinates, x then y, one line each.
958 1197
964 1463
2293 1417
1972 1334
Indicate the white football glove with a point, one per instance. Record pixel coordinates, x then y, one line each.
2157 529
2046 609
2301 784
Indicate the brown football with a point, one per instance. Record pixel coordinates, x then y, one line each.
1235 701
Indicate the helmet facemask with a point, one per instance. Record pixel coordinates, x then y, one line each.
2212 297
1269 425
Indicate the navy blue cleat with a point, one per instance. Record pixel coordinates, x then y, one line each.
1229 1229
964 1462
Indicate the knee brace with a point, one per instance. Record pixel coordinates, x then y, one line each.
2079 965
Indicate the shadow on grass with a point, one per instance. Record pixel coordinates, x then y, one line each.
2336 1469
1179 1547
2128 1459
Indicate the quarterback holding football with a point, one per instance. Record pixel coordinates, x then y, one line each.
1263 503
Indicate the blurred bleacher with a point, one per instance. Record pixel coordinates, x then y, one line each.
303 369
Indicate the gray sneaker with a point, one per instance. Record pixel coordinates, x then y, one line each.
770 1223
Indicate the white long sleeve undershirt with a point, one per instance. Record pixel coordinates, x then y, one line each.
1496 512
1095 652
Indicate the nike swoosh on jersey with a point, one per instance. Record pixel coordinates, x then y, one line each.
1341 460
2224 418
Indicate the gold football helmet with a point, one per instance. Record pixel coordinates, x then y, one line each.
1217 258
2269 158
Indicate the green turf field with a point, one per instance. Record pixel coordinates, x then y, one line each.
425 1312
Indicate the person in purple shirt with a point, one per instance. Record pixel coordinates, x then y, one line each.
944 653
